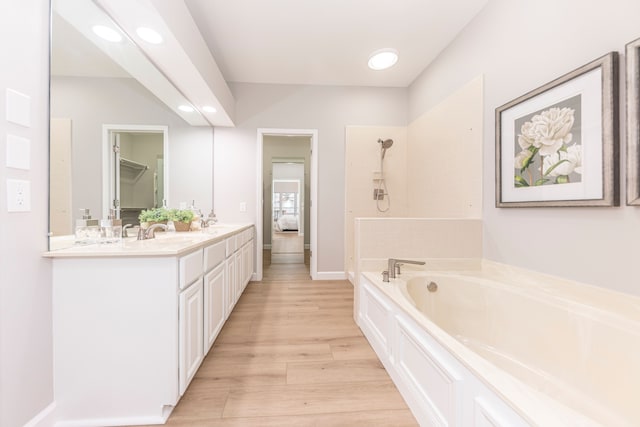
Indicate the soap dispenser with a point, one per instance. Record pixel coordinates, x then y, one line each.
111 228
87 229
196 222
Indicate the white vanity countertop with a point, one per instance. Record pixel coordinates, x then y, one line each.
164 244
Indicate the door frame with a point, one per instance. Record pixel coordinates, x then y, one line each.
313 200
108 166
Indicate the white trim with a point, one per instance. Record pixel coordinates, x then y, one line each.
351 277
124 421
331 275
107 158
44 418
313 210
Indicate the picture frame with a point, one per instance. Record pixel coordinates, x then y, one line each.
558 145
632 52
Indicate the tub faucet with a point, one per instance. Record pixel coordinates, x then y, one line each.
394 265
149 233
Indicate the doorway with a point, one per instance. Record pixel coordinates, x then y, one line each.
134 170
303 200
288 211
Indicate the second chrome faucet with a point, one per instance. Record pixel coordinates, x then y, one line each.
149 233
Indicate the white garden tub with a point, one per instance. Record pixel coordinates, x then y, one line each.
501 346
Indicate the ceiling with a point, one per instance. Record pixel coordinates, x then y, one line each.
306 42
327 42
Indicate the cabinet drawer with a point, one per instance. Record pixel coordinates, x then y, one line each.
247 235
190 268
232 244
214 255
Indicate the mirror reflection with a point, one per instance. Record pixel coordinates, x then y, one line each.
96 105
287 229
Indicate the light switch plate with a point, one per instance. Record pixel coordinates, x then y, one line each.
18 108
18 152
243 206
18 195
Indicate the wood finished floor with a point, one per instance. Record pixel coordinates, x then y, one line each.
291 355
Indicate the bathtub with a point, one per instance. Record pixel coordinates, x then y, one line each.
503 346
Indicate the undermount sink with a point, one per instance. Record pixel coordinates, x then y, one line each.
178 237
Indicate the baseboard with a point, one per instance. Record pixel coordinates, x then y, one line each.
45 418
331 275
101 422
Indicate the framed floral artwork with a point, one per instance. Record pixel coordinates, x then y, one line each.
558 145
633 122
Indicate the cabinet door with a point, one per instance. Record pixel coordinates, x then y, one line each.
247 264
214 305
230 285
239 276
191 335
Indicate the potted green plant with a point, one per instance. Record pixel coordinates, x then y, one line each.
181 219
149 217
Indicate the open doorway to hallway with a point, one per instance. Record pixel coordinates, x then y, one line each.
286 220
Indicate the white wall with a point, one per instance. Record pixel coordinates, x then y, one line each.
326 108
519 46
92 102
26 375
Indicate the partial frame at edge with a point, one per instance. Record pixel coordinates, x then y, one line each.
633 122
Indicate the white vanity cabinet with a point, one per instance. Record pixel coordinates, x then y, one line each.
132 324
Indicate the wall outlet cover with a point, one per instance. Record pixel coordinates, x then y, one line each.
18 195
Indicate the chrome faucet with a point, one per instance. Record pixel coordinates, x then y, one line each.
125 228
149 233
394 265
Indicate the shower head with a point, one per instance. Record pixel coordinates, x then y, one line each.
386 143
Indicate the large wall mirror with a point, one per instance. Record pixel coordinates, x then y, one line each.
96 103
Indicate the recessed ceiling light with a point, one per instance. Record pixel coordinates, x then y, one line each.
106 33
383 59
209 109
186 108
149 35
